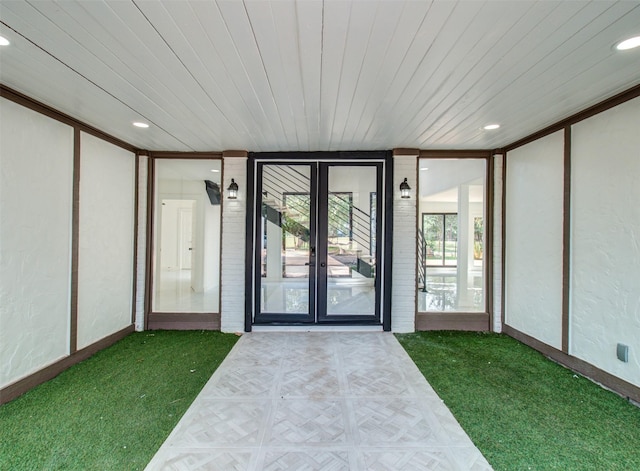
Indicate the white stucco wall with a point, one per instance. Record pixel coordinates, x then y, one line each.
403 288
105 259
534 222
605 242
36 186
233 246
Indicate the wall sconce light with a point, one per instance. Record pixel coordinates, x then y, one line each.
233 190
404 189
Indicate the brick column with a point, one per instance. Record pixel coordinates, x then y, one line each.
234 164
403 290
498 163
141 255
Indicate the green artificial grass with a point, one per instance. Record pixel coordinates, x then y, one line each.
523 411
113 410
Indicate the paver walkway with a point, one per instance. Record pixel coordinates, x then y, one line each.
318 401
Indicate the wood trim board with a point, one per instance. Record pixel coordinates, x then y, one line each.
601 377
475 321
12 391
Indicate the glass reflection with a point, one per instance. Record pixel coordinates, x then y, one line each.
285 228
351 243
451 235
186 236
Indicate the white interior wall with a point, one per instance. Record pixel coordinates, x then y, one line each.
357 180
475 209
211 276
105 264
436 207
360 182
36 184
605 235
534 222
444 174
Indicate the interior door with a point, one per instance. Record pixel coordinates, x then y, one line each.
185 223
317 242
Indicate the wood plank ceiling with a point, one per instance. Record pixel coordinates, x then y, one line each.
313 75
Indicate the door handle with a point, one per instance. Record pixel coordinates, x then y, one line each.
309 264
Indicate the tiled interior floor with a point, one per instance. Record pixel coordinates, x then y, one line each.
318 401
175 294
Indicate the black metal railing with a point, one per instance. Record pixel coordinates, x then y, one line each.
422 262
279 207
288 180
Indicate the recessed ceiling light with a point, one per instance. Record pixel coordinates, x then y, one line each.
489 127
215 170
424 168
140 124
628 43
4 41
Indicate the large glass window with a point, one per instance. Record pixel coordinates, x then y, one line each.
440 233
451 240
186 261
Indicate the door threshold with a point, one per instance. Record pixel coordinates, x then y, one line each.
316 328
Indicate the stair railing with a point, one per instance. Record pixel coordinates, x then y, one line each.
422 262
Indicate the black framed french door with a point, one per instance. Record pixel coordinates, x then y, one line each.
317 242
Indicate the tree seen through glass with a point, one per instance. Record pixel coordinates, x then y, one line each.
441 238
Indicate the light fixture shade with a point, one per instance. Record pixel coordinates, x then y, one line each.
405 189
233 190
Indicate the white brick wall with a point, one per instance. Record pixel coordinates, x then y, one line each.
497 242
233 246
403 290
141 258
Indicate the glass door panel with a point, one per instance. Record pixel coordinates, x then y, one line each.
440 233
186 244
348 241
286 243
453 206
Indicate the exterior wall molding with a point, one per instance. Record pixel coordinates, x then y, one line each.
32 104
612 102
12 391
601 377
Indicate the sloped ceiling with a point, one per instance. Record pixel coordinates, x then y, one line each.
313 75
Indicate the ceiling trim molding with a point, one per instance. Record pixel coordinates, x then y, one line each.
620 98
235 153
39 107
404 152
184 155
456 154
